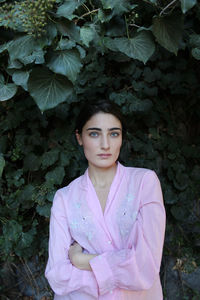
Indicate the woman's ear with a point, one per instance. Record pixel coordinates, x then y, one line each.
78 137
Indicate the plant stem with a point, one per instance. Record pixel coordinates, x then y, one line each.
135 25
166 7
90 12
85 6
127 28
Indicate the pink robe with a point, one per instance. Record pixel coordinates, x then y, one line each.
128 237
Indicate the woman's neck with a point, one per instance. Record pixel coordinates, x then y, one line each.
100 177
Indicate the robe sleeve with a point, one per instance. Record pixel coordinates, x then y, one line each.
136 268
62 276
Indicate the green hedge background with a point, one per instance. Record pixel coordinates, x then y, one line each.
56 54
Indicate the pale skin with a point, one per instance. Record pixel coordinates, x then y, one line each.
101 139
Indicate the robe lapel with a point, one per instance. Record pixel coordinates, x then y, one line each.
91 196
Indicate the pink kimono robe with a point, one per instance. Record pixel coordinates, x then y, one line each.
128 237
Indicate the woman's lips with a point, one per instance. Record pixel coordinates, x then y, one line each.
104 155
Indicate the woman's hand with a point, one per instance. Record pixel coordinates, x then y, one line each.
74 253
79 259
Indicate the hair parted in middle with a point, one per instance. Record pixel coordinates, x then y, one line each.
92 107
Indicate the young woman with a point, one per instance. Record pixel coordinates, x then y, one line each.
107 226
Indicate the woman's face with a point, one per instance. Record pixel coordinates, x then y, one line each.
101 139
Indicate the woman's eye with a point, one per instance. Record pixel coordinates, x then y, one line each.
93 134
114 134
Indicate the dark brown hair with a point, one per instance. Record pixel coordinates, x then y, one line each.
91 108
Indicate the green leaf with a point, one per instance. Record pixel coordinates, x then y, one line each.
134 104
65 157
25 197
25 241
110 43
171 156
4 47
187 4
196 173
56 175
196 53
195 40
67 28
7 91
119 98
138 144
49 89
140 47
116 28
31 162
12 230
2 164
22 47
168 31
81 51
24 246
37 57
51 31
65 44
118 6
2 81
49 158
140 105
149 75
87 34
14 64
181 181
21 78
66 62
170 196
154 134
67 8
44 210
180 213
103 16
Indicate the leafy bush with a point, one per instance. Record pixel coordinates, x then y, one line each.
143 55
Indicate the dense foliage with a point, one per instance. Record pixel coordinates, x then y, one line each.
56 54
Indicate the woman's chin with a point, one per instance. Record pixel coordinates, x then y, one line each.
104 163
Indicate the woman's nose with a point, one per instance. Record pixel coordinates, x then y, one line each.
105 142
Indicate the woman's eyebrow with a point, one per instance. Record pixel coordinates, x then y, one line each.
114 128
99 129
94 128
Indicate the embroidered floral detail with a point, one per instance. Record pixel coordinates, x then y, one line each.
78 204
126 216
129 197
81 222
74 224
